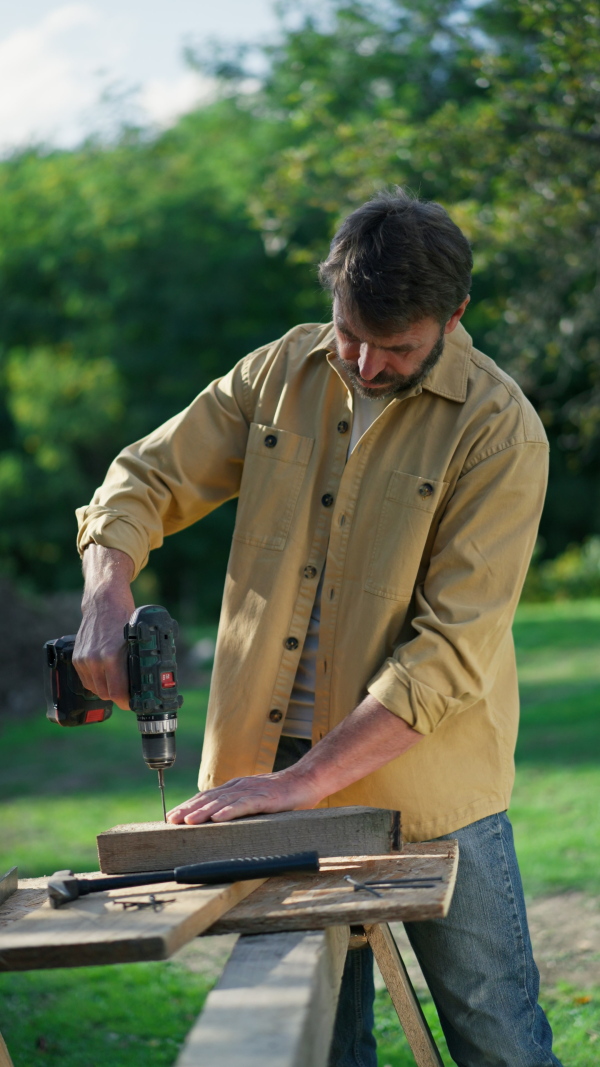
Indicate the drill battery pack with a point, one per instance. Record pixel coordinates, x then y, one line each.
68 703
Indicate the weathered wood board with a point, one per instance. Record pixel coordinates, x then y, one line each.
331 831
93 930
274 1005
9 883
312 902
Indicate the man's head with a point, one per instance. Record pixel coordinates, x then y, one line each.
399 271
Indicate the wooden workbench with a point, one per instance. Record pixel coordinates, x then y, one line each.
275 1003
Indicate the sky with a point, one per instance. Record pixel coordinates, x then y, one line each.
59 60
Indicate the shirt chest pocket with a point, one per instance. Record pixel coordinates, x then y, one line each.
401 535
274 469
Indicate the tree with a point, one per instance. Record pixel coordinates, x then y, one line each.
494 111
132 274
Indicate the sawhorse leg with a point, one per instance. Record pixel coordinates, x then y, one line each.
404 998
5 1060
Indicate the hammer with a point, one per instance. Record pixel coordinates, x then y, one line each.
64 886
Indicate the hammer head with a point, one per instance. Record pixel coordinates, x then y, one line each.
62 888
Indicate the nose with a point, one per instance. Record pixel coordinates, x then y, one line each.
370 361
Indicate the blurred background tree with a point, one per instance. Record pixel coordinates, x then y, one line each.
131 274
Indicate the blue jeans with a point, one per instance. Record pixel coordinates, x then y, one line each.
477 963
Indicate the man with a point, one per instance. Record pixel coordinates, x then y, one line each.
390 482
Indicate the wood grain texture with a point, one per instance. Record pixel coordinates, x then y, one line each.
313 902
331 831
5 1060
8 884
404 998
93 930
30 895
274 1005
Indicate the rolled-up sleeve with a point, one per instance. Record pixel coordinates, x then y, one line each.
175 476
466 604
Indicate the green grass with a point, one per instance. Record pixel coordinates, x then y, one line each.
95 1016
59 788
555 808
574 1016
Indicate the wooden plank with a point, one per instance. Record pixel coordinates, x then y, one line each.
404 998
93 930
5 1060
312 902
156 846
274 1005
30 895
8 884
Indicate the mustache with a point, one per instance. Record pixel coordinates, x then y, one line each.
380 379
397 382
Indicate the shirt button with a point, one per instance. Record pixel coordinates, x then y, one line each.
327 500
291 642
310 572
275 716
425 490
342 427
270 440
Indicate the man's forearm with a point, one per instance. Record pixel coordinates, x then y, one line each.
366 740
106 571
99 654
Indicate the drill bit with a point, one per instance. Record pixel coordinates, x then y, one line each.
161 786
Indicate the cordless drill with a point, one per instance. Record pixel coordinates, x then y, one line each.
152 669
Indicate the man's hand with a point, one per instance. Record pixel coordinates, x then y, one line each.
99 656
369 738
287 790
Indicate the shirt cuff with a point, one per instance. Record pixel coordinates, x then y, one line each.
418 704
107 527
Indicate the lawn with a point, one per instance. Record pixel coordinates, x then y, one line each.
58 788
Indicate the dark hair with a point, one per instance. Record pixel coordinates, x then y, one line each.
398 259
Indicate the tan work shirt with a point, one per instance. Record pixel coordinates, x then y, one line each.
425 533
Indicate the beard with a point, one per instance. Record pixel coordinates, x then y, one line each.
396 383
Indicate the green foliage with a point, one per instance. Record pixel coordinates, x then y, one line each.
574 574
59 400
493 110
156 262
129 278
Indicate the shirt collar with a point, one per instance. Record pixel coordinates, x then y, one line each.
449 376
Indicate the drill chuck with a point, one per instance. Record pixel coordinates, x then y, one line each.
158 740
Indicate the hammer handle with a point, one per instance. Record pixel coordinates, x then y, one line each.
214 873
